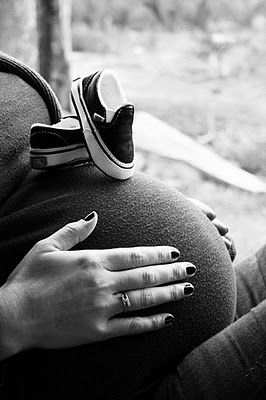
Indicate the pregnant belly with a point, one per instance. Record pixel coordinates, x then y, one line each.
140 211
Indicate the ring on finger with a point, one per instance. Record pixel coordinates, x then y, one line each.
125 301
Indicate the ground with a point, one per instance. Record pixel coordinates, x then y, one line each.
213 89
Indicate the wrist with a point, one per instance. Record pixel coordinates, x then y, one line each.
11 324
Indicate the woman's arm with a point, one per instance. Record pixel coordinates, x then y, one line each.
230 365
59 298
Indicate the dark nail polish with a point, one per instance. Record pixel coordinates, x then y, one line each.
90 216
175 254
191 270
169 320
188 290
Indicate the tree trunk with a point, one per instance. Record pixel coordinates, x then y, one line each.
202 15
54 29
18 35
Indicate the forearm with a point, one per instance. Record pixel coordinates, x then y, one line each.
231 364
9 326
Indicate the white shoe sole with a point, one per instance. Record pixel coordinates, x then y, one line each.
100 154
58 156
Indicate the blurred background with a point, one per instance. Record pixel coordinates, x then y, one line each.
197 65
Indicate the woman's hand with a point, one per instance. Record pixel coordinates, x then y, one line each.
59 298
219 225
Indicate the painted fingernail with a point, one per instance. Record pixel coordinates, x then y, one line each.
169 320
191 270
90 216
188 289
175 254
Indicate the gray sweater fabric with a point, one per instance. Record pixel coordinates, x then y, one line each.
25 98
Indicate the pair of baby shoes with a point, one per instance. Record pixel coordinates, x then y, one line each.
101 130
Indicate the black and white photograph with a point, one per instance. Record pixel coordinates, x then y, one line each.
133 199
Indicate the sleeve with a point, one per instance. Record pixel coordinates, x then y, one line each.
251 282
230 365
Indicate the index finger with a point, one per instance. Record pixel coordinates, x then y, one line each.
221 227
135 257
207 210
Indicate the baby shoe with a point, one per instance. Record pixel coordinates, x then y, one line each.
106 120
58 145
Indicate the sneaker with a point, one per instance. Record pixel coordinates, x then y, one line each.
106 120
58 145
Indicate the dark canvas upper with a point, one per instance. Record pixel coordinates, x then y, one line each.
50 137
117 134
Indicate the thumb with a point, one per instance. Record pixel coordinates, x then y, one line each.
72 233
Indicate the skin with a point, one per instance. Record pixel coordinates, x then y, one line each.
59 298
